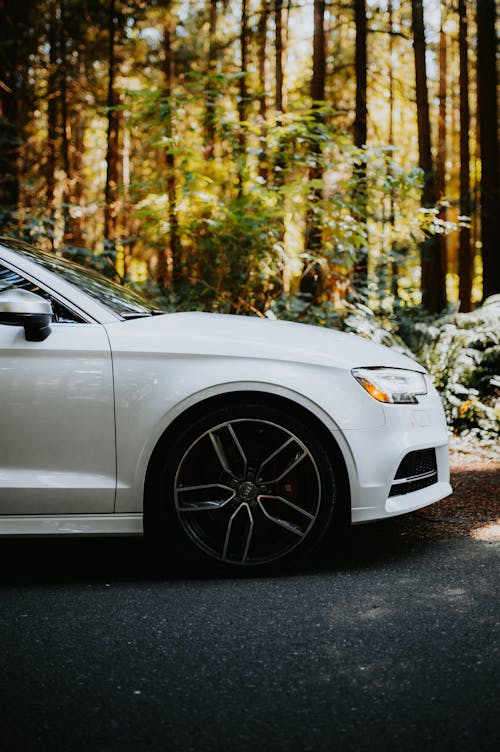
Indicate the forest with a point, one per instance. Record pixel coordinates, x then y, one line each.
334 163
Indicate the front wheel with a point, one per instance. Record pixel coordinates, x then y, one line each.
248 485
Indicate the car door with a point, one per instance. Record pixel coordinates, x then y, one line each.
57 434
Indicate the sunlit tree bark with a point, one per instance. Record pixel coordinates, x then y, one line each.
265 11
465 257
67 145
311 281
112 154
52 99
488 135
433 279
10 92
210 119
360 276
394 272
441 157
281 107
281 103
170 266
243 96
280 56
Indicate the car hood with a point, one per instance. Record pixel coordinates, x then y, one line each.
251 337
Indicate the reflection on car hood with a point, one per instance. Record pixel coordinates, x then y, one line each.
251 337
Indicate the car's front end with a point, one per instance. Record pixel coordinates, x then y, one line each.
394 447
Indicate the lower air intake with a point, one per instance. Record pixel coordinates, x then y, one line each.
417 470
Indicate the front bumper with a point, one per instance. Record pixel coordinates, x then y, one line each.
377 455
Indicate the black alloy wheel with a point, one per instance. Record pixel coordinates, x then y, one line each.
252 486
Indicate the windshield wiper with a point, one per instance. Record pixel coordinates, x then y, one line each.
128 315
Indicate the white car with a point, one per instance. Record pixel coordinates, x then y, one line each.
238 439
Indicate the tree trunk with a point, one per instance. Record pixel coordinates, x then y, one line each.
77 232
465 256
112 154
170 267
280 57
311 282
394 272
360 128
281 104
52 98
360 275
210 94
319 54
441 154
10 126
488 135
126 208
66 135
262 47
243 97
432 281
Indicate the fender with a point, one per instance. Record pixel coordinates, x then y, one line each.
130 499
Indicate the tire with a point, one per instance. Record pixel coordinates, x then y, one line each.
247 486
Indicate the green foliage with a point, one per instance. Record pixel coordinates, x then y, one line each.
29 226
241 218
235 254
462 353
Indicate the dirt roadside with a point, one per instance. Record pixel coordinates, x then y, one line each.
473 510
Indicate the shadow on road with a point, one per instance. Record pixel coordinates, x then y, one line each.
103 560
471 512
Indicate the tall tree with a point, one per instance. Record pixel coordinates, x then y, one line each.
265 10
112 155
243 95
280 25
360 277
312 278
433 281
281 107
52 109
465 257
360 126
13 54
170 266
210 93
319 54
441 150
66 136
281 99
78 147
394 265
488 136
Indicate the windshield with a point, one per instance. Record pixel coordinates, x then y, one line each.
118 299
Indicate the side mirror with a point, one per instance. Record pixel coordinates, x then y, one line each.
26 309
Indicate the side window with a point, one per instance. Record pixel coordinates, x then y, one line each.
62 314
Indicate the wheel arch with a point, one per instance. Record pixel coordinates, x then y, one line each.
263 398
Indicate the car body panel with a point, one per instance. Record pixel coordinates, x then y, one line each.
57 443
219 335
71 524
168 364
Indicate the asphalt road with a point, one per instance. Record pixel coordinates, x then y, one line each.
391 643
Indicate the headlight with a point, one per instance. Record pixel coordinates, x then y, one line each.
394 385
